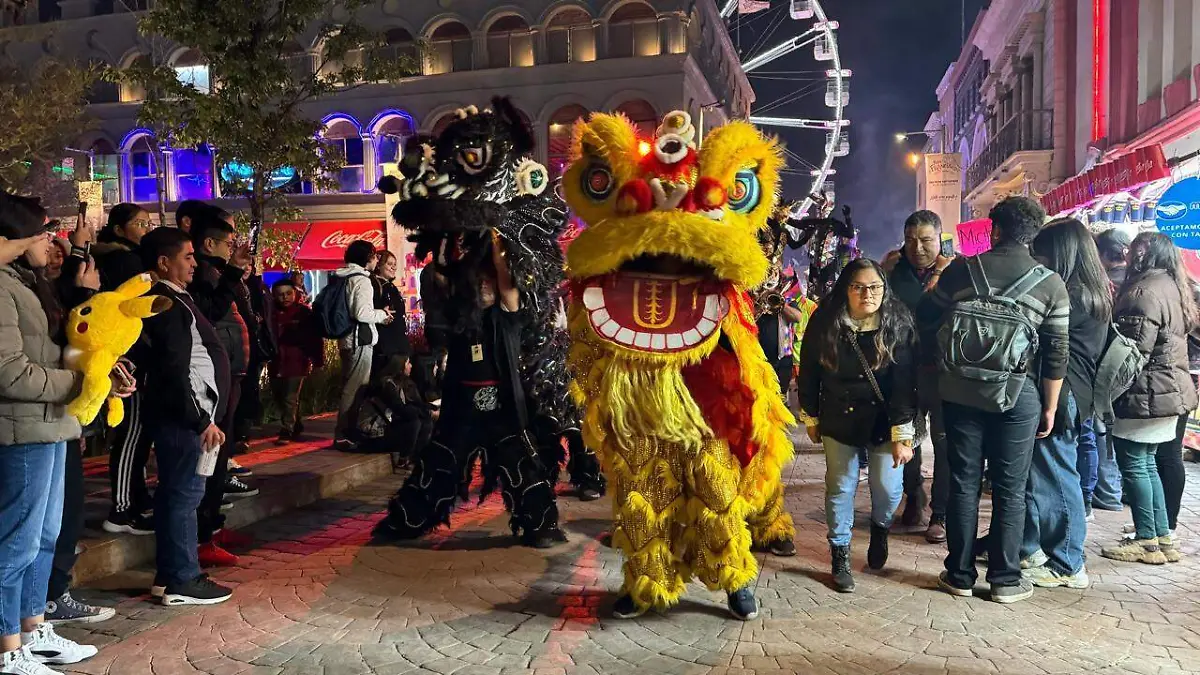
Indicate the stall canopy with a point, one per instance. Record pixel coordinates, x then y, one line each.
325 242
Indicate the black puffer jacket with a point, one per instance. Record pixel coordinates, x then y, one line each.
1150 312
117 260
843 401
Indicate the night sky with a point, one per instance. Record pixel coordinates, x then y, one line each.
898 51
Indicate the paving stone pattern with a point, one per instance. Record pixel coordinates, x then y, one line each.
315 597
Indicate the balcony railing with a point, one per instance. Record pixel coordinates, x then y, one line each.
1027 131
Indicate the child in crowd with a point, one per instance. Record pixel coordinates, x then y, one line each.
300 351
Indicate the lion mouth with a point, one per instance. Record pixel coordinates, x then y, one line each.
657 304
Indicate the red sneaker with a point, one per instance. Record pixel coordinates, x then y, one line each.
212 555
232 539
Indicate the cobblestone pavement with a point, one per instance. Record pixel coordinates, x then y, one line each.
314 597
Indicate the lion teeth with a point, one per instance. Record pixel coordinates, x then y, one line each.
593 298
706 326
600 317
625 336
692 337
609 329
674 341
658 342
712 308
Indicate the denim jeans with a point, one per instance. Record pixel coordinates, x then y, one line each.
179 493
841 484
929 401
1055 522
31 499
1005 441
1143 488
1087 459
1108 494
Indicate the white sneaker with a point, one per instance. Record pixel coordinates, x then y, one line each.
53 649
1036 559
1044 577
21 662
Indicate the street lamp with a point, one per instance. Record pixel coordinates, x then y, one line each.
902 136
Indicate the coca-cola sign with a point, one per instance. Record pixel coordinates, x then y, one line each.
340 239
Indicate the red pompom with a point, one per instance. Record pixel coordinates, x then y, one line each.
635 197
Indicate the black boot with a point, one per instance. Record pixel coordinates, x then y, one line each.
877 552
843 581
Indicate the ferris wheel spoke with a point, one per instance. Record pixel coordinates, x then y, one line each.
796 122
800 93
784 48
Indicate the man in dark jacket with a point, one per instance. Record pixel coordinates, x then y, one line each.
220 268
188 371
913 271
1004 440
118 260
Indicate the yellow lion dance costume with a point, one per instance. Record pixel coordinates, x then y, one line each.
680 402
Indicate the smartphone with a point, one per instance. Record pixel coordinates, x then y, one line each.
83 206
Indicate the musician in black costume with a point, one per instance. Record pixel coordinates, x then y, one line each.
491 224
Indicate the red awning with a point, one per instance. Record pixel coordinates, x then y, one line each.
325 243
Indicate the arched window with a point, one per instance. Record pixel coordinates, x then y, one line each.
102 91
570 37
190 69
442 122
450 49
389 140
633 31
106 168
132 92
558 149
143 170
399 44
344 136
193 172
510 43
642 115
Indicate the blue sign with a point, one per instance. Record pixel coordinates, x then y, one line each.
237 171
1178 213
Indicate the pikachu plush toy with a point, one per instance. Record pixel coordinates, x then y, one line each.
101 331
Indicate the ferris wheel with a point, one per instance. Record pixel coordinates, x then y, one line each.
808 26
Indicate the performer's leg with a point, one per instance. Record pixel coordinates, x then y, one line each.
772 529
719 537
513 463
649 508
426 499
584 467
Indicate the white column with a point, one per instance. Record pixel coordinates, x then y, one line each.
370 163
168 174
1166 28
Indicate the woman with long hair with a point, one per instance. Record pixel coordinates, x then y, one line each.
1055 517
34 430
393 338
116 247
858 392
1156 309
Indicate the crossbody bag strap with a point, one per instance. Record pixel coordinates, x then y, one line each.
862 360
979 280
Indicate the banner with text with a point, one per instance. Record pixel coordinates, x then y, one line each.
943 187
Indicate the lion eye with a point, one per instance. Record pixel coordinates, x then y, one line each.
475 160
746 191
598 182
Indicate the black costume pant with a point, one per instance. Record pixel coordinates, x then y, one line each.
127 461
583 465
209 518
72 523
510 462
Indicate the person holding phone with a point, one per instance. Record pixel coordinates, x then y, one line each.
34 431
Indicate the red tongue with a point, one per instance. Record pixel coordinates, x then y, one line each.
656 304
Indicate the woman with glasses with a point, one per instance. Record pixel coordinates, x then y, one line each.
858 392
116 247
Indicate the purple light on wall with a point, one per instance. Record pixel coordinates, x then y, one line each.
194 173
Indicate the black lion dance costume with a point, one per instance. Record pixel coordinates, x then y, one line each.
487 215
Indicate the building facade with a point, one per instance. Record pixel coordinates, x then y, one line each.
1091 106
558 60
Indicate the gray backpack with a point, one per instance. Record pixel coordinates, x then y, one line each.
986 343
1119 365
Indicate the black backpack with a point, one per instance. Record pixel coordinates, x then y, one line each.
986 343
332 309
